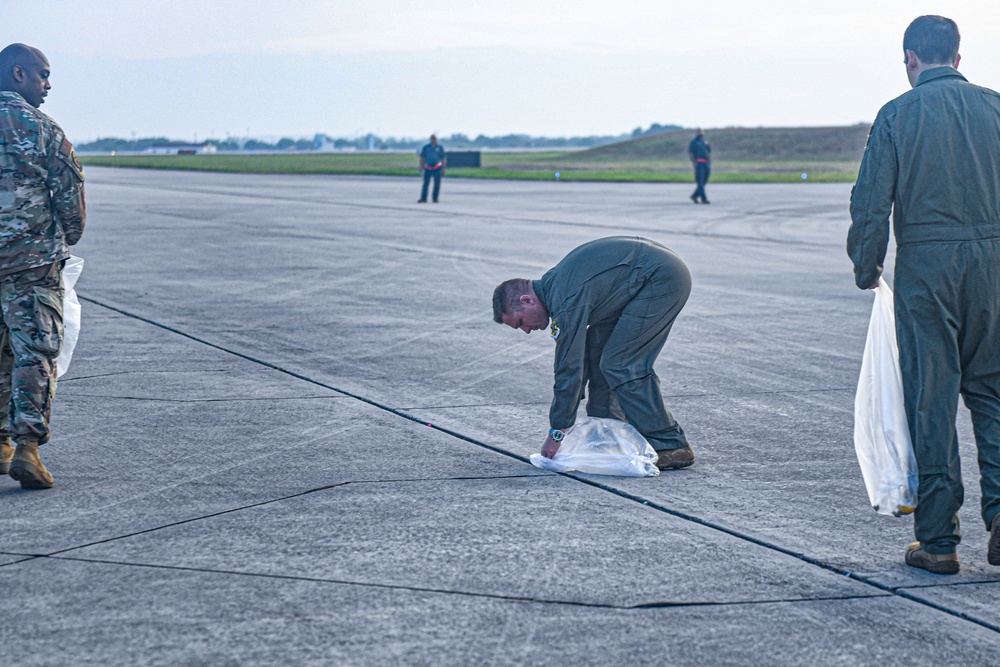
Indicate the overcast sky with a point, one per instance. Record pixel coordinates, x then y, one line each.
198 68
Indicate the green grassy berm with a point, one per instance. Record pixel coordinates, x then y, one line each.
744 155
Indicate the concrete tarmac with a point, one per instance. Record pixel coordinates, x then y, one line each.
292 433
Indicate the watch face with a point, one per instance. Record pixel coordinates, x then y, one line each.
556 434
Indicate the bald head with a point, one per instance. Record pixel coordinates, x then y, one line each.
25 70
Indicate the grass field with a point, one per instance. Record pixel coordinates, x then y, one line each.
764 155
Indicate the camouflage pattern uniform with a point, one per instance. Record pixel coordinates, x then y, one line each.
42 213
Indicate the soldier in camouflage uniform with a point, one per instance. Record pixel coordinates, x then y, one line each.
42 213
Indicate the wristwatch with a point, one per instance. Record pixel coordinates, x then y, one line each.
556 434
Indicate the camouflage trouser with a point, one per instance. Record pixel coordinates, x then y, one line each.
31 335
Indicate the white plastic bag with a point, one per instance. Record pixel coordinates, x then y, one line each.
71 314
881 435
602 447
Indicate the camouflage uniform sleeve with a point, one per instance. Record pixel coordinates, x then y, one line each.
65 182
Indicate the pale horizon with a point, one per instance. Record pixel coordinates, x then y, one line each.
558 69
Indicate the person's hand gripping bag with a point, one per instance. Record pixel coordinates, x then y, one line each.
602 447
881 434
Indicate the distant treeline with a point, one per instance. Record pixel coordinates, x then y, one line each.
373 142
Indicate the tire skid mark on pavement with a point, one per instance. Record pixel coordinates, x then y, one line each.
894 590
470 214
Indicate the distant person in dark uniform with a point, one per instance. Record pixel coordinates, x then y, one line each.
609 306
701 157
933 160
432 164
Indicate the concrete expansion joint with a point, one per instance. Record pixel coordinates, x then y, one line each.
22 557
599 485
463 593
318 489
197 518
63 381
948 584
158 399
766 601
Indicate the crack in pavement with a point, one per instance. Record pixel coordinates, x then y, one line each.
897 591
447 591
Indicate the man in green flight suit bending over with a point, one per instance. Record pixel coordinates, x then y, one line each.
611 303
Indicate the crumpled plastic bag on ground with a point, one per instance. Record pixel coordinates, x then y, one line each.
71 314
602 447
881 434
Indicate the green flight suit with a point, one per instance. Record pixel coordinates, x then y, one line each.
933 158
612 303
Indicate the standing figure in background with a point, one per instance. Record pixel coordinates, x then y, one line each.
432 165
701 157
42 213
933 160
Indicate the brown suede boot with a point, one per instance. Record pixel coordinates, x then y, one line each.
6 454
936 563
993 549
27 467
670 459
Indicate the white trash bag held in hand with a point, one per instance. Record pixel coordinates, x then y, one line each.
881 435
71 314
602 447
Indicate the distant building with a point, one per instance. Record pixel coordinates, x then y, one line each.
181 148
322 142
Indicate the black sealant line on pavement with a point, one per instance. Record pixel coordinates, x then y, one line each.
471 594
898 591
270 501
209 400
104 375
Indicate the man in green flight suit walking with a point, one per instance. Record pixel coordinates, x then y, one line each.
42 213
933 159
610 305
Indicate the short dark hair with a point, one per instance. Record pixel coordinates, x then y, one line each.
507 297
16 54
933 38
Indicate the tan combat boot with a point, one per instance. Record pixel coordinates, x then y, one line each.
6 454
27 467
993 548
936 563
